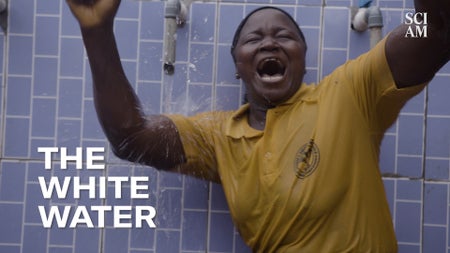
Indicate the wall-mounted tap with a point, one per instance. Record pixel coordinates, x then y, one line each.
369 18
171 11
375 23
175 14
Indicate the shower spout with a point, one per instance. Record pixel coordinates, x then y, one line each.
175 14
369 18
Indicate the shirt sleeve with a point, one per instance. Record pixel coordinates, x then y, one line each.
370 80
199 134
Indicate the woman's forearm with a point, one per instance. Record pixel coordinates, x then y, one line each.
412 59
116 103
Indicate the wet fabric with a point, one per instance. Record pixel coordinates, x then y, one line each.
309 182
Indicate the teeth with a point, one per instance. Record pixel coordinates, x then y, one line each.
271 59
274 78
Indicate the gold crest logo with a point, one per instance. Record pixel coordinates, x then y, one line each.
306 160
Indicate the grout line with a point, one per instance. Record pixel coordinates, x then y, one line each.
424 154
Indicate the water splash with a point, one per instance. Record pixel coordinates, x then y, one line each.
168 91
185 103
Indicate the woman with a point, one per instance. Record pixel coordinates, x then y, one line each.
298 163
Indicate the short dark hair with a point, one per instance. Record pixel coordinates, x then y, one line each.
241 25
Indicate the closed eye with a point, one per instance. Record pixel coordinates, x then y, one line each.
285 35
252 39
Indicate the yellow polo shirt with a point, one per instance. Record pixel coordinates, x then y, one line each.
310 181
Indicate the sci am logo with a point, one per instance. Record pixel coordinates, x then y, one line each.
417 25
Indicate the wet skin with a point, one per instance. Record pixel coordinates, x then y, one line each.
270 59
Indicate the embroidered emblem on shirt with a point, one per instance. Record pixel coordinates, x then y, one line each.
306 159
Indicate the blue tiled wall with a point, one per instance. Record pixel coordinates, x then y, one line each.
46 100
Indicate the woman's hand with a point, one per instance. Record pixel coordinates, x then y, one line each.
416 60
94 13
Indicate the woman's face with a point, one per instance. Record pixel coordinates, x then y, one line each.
270 57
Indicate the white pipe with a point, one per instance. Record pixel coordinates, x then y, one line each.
375 36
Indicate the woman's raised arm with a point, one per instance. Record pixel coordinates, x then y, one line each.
415 59
151 140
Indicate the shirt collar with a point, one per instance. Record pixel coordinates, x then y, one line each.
237 126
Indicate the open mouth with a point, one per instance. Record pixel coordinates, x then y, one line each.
271 70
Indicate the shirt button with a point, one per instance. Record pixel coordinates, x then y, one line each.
268 156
